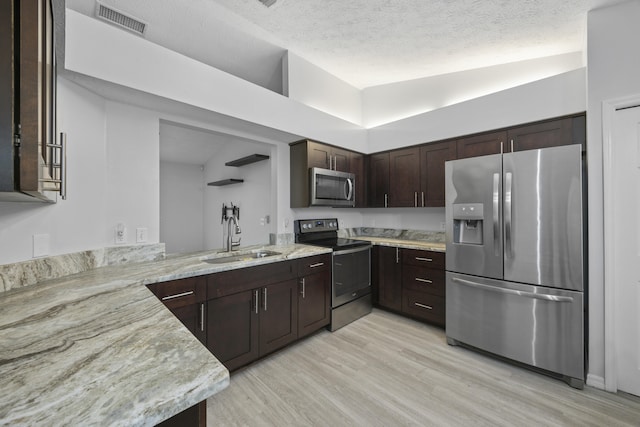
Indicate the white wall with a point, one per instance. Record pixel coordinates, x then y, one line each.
547 98
77 223
253 196
614 67
312 86
181 207
396 101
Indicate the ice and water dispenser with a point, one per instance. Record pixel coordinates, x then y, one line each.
468 221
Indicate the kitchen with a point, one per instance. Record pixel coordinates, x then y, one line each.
109 189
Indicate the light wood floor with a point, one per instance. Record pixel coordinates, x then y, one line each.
386 370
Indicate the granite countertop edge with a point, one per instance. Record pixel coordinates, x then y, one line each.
403 243
76 342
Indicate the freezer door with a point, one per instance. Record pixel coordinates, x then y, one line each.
473 215
543 217
541 327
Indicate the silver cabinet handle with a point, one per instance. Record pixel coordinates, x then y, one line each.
526 294
424 259
264 298
202 317
507 213
501 147
418 279
329 161
183 294
397 255
255 304
428 307
317 264
423 199
386 200
303 287
496 214
335 163
415 199
512 145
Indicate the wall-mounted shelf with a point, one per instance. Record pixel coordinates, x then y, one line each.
226 182
247 160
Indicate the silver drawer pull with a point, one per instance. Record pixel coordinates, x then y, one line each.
418 279
317 264
184 294
428 307
424 259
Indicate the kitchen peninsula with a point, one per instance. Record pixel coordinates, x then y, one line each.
97 347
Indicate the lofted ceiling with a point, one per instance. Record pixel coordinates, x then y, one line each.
363 42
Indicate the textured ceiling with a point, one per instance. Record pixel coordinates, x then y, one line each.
364 42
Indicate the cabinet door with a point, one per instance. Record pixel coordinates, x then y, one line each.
278 315
541 135
432 159
232 328
340 159
356 167
481 145
404 177
388 271
314 302
318 155
378 180
193 317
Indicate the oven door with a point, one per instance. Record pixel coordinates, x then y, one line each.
351 274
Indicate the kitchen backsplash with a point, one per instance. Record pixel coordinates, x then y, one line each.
30 272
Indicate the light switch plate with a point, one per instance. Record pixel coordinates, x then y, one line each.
40 245
142 234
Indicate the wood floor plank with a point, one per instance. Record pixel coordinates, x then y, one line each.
387 370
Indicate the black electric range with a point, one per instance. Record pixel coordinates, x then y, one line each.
350 269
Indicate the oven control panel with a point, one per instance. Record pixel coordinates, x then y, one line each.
316 225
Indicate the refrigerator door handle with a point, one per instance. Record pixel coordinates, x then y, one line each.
546 297
496 213
507 213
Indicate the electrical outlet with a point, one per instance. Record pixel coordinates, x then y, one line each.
142 234
443 226
120 233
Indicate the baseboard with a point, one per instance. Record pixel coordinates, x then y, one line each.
595 381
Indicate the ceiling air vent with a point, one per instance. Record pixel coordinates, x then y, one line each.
120 19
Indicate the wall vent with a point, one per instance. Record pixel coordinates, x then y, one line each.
120 19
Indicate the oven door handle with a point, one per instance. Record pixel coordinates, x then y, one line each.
351 251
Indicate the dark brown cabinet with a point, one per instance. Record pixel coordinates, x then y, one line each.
423 285
314 296
411 282
27 102
278 308
387 277
307 154
432 160
481 145
551 133
378 182
404 177
186 300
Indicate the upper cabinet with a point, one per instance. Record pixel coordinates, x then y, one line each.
404 177
481 145
31 160
432 159
378 180
307 154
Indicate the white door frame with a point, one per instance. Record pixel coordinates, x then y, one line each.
609 108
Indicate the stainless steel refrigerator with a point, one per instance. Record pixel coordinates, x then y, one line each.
514 260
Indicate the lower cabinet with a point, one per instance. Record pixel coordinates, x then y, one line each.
314 296
411 282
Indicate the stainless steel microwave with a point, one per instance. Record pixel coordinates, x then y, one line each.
332 188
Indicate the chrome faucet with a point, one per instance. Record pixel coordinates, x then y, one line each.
230 242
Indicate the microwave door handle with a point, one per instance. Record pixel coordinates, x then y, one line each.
348 187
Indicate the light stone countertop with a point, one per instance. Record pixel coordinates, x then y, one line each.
98 348
402 243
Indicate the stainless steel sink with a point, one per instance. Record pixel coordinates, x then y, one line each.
224 259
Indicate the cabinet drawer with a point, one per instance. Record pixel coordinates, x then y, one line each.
179 293
422 258
244 279
423 280
313 264
424 306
